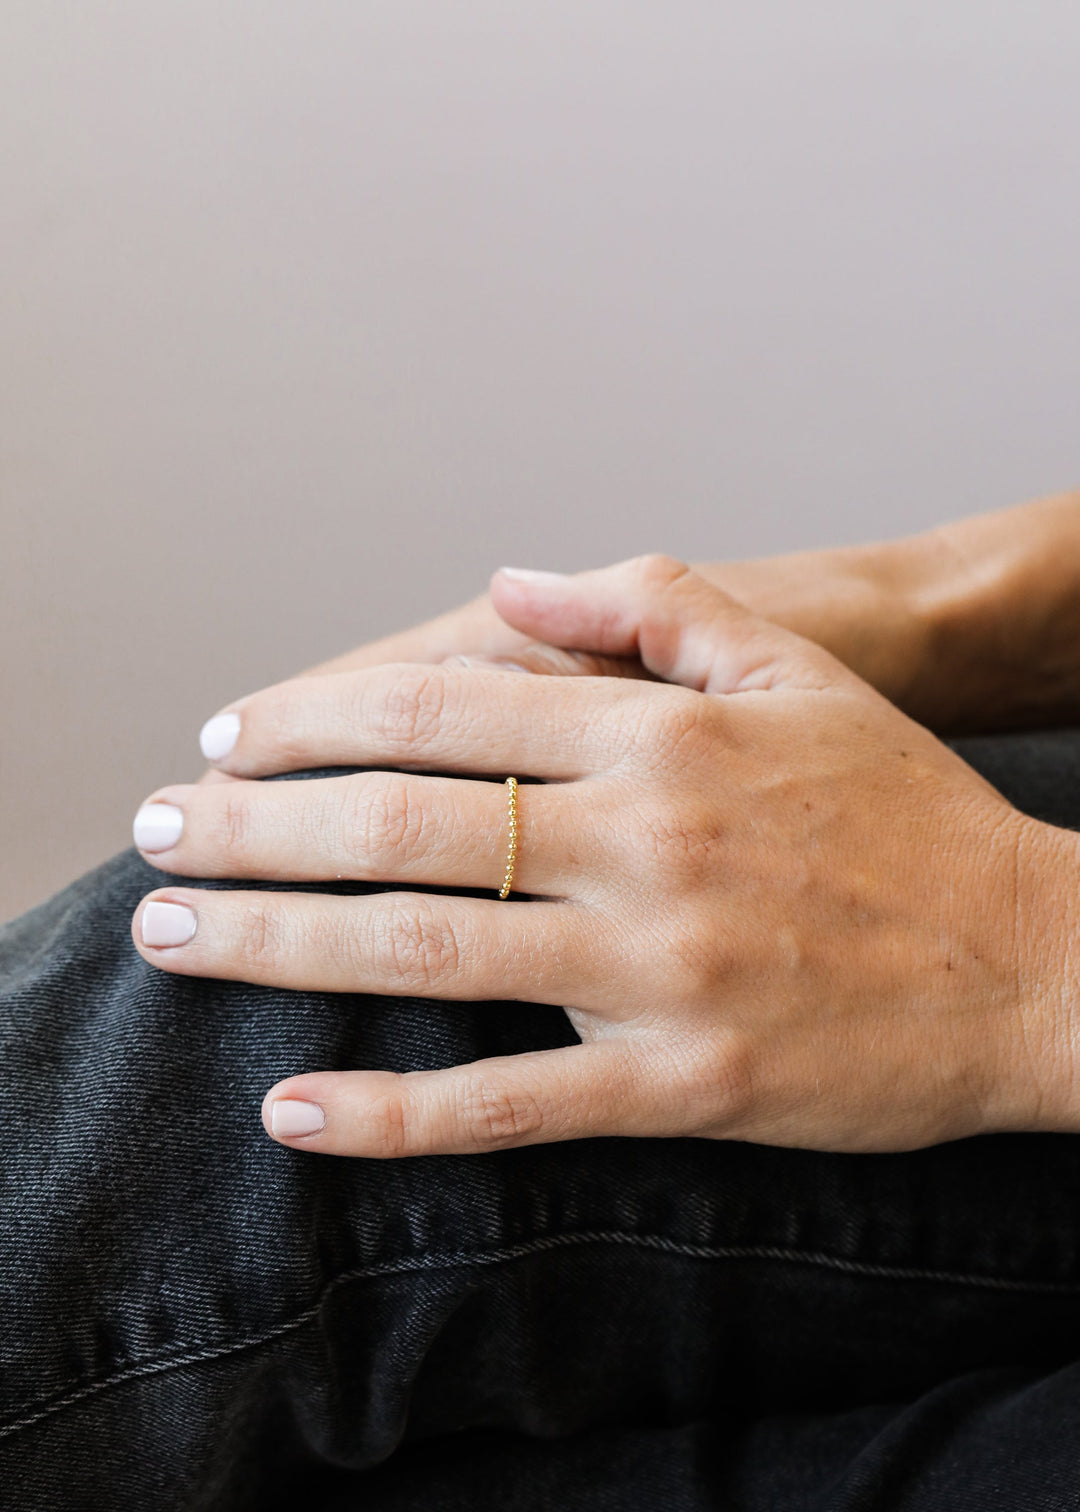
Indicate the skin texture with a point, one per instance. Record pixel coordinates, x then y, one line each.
775 907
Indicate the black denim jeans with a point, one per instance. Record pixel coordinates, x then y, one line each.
195 1317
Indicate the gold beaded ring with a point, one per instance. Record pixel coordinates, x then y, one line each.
511 850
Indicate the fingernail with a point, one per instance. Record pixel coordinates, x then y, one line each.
485 663
527 575
290 1118
157 826
166 924
218 736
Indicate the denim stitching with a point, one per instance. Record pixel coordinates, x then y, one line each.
156 1364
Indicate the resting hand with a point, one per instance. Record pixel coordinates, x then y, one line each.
774 908
868 605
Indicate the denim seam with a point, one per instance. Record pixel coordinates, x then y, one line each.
157 1364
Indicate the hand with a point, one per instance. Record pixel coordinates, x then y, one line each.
473 630
870 606
972 626
865 604
774 907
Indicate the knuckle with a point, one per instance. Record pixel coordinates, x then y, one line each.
386 824
420 947
682 718
657 571
234 827
411 708
259 938
677 727
681 841
697 961
717 1080
385 1123
730 1080
497 1115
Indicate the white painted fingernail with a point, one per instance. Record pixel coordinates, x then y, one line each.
218 736
289 1118
527 575
165 924
485 663
157 826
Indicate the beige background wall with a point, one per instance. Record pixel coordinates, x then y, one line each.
311 314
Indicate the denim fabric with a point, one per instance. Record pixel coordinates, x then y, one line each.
194 1317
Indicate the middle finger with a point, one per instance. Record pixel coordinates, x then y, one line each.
372 826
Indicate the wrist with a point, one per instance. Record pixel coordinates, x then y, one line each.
1042 1051
954 605
997 602
973 625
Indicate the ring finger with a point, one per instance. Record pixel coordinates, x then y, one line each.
392 944
371 826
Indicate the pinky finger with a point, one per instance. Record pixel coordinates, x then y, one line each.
537 1098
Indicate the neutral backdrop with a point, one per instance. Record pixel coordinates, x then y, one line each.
313 314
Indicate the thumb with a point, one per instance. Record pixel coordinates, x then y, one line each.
683 628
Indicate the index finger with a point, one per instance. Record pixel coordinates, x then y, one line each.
433 718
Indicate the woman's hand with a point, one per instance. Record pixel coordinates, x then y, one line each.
778 912
868 605
972 626
872 607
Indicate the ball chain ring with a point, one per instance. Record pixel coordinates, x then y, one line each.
512 838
